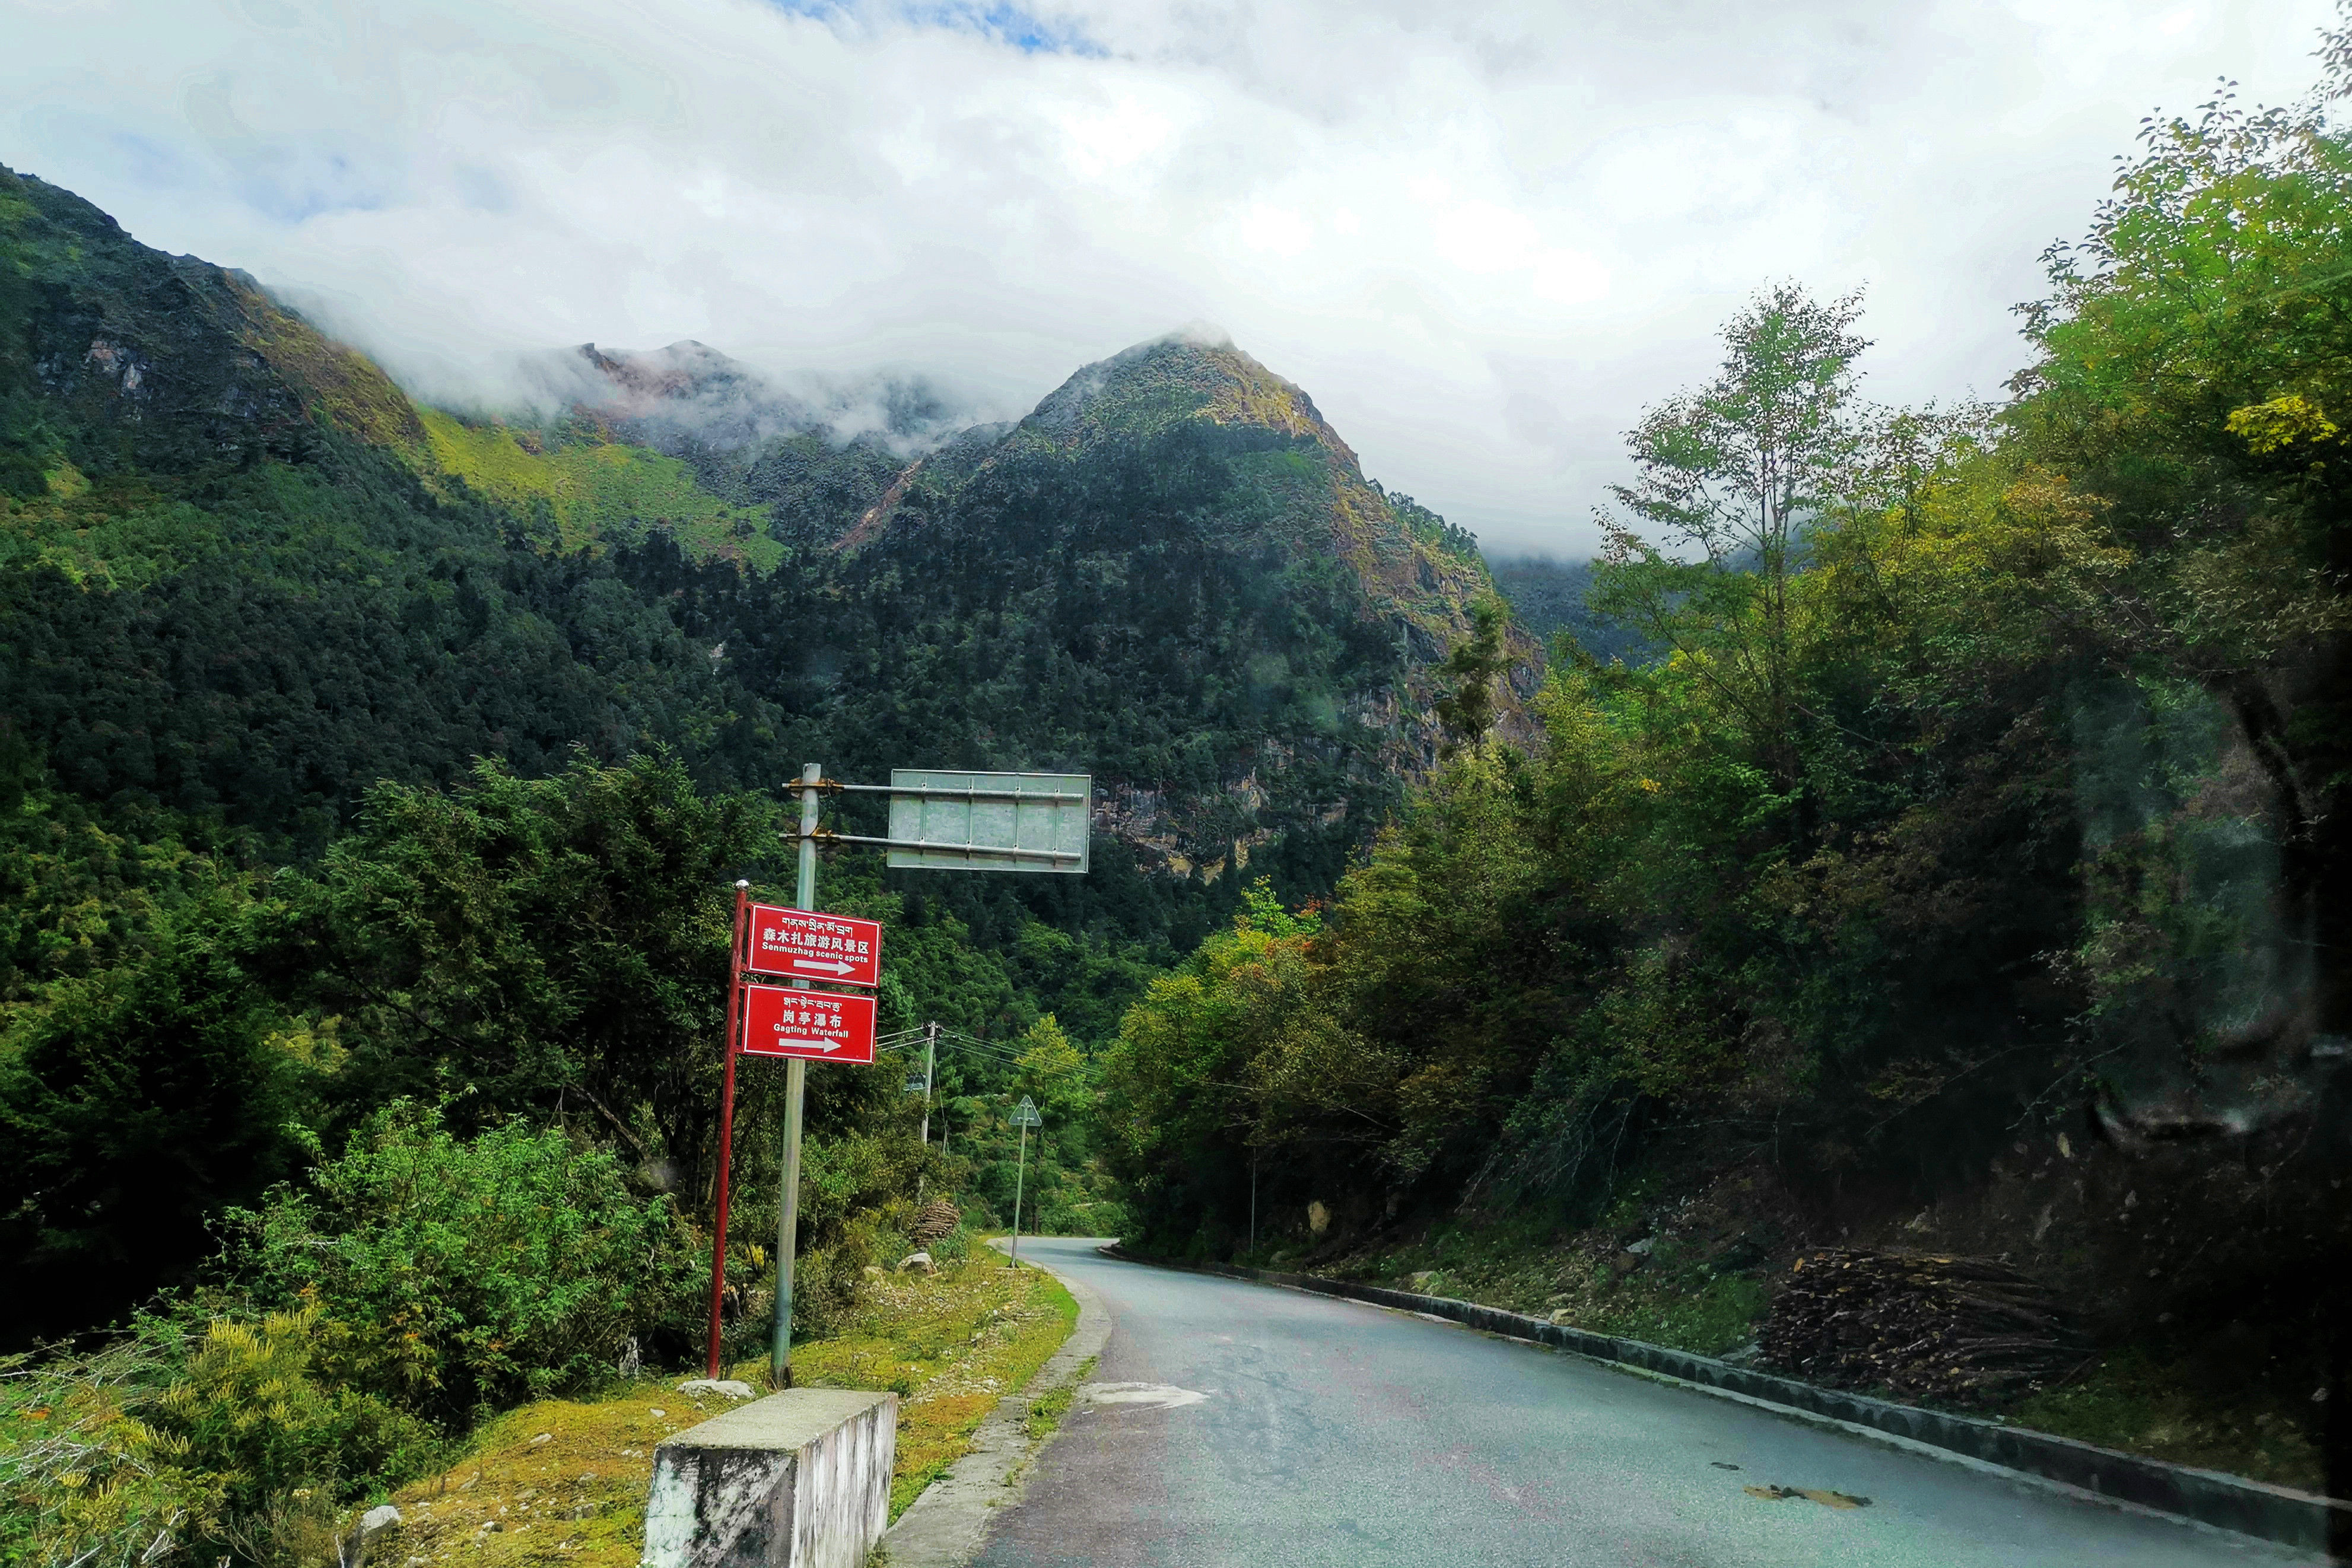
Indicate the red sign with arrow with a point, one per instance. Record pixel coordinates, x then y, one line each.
838 949
830 1026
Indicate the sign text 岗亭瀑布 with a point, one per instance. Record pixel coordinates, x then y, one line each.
834 949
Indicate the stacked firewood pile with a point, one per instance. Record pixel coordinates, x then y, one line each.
1957 1330
934 1221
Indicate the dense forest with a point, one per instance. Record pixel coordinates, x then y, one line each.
1960 869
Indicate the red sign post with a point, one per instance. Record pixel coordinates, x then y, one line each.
802 944
775 1020
829 1026
726 1118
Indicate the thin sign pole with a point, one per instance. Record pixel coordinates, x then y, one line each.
1020 1176
930 1053
726 1117
788 1206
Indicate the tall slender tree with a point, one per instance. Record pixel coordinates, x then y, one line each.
1730 474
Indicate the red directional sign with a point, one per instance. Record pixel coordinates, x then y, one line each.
837 949
830 1026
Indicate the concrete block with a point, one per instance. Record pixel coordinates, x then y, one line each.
798 1479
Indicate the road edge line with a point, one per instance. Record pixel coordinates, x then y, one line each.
946 1523
2213 1500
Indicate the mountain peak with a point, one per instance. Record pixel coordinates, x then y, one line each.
1193 373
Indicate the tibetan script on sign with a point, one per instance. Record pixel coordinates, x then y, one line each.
830 1026
838 949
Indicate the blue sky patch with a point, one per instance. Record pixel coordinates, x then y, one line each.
1003 23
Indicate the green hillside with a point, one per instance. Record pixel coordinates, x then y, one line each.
594 492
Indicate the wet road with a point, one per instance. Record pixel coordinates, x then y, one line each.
1331 1432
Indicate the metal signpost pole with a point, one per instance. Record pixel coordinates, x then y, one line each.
1021 1175
788 1207
930 1054
726 1118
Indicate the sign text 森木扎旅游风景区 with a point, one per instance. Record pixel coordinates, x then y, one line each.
803 944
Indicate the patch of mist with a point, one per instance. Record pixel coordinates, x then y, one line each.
688 394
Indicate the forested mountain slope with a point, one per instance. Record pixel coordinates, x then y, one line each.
246 575
1173 574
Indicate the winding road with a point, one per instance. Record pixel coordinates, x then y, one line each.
1231 1423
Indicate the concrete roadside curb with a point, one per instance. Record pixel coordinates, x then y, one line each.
943 1527
2301 1520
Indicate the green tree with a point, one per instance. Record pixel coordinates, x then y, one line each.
555 946
1472 671
135 1103
1730 475
457 1275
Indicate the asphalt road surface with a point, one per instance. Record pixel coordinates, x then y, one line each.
1333 1432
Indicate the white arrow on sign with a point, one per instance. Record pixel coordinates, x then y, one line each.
834 965
824 1045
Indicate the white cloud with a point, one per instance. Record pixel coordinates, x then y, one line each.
1482 238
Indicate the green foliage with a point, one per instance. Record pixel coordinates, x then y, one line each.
259 1431
1551 599
461 1275
1474 668
137 1101
221 1439
1735 471
523 943
598 492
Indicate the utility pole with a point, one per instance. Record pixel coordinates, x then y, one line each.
930 1056
1024 1116
1253 1200
788 1206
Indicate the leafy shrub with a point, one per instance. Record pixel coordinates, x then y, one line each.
169 1437
81 1477
827 1284
251 1417
457 1275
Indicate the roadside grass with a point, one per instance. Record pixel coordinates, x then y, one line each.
1045 1414
2173 1409
1676 1294
564 1481
2170 1403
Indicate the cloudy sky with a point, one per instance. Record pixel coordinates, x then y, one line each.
1480 237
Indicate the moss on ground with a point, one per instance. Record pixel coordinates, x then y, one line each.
1045 1412
564 1481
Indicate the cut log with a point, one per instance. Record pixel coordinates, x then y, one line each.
1962 1331
934 1221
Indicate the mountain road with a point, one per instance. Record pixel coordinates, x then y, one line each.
1231 1423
